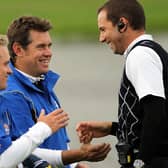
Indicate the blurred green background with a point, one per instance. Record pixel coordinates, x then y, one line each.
77 18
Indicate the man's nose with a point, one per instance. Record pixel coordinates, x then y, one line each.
9 71
48 51
102 38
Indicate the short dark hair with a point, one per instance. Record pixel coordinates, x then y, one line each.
19 31
130 9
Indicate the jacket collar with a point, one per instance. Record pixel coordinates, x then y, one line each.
50 78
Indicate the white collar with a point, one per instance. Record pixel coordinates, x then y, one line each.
142 37
32 78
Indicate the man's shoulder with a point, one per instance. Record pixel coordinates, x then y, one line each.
14 97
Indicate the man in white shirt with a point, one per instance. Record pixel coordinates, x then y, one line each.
142 128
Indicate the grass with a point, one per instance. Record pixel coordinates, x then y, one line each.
156 15
76 17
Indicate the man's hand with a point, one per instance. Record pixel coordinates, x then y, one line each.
82 165
87 152
55 120
87 130
95 152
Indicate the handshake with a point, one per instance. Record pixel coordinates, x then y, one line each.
87 151
87 131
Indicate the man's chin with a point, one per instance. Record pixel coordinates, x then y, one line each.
44 71
118 52
3 87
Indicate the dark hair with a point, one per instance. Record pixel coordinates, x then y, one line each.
130 9
20 29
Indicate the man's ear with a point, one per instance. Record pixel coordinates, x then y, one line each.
18 49
122 25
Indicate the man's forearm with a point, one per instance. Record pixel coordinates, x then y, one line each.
72 156
54 157
153 126
22 147
59 157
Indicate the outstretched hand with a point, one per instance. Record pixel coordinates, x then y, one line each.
55 120
95 152
82 165
87 130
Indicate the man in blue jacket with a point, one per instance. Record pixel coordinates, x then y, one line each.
24 145
30 51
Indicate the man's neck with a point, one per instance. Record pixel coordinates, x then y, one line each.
32 78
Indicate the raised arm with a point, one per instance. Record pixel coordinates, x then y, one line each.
87 130
23 146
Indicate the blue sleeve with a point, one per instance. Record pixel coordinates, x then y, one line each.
19 111
5 140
